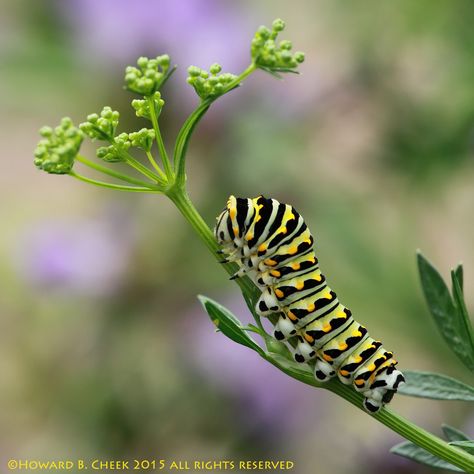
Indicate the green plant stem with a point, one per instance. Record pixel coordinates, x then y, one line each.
117 187
155 165
395 422
185 133
108 171
159 139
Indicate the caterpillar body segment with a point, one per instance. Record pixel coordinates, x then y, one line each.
273 246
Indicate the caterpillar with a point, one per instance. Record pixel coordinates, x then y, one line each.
274 247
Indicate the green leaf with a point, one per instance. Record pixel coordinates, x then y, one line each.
453 434
450 320
467 446
228 324
459 275
298 371
435 386
464 322
411 451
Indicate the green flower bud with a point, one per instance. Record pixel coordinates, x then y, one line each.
149 76
101 127
56 152
209 84
273 57
278 25
142 107
143 138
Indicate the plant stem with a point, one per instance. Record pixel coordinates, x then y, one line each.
159 138
395 422
118 187
108 171
155 165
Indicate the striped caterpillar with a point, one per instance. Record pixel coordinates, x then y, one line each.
273 246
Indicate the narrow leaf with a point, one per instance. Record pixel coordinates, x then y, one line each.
435 386
451 323
453 434
465 326
228 324
460 275
298 371
467 446
411 451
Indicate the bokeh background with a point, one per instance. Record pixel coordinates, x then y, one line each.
104 350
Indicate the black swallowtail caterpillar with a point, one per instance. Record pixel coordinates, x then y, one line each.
273 246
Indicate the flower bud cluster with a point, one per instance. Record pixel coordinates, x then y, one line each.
56 152
149 76
209 84
101 127
142 106
143 138
269 55
113 153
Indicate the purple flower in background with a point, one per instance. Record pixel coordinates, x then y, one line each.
80 256
268 398
192 31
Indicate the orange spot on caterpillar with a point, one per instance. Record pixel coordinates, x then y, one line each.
279 293
309 338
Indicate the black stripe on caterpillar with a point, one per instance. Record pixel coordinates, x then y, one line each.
273 246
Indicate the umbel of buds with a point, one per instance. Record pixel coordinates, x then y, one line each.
269 55
114 153
209 84
101 127
149 76
142 106
56 152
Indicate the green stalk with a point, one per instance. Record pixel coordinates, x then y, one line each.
155 165
159 139
117 187
395 422
108 171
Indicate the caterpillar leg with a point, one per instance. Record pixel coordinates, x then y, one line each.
303 351
267 303
284 329
323 371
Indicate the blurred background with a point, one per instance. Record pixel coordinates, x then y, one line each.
104 349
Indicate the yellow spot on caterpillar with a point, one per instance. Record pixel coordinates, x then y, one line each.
317 277
279 293
300 285
327 295
292 250
327 358
358 359
269 262
262 247
356 334
233 212
248 237
359 382
343 346
371 367
258 218
309 338
295 266
327 327
282 230
236 231
312 260
292 316
344 373
275 273
307 241
311 307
